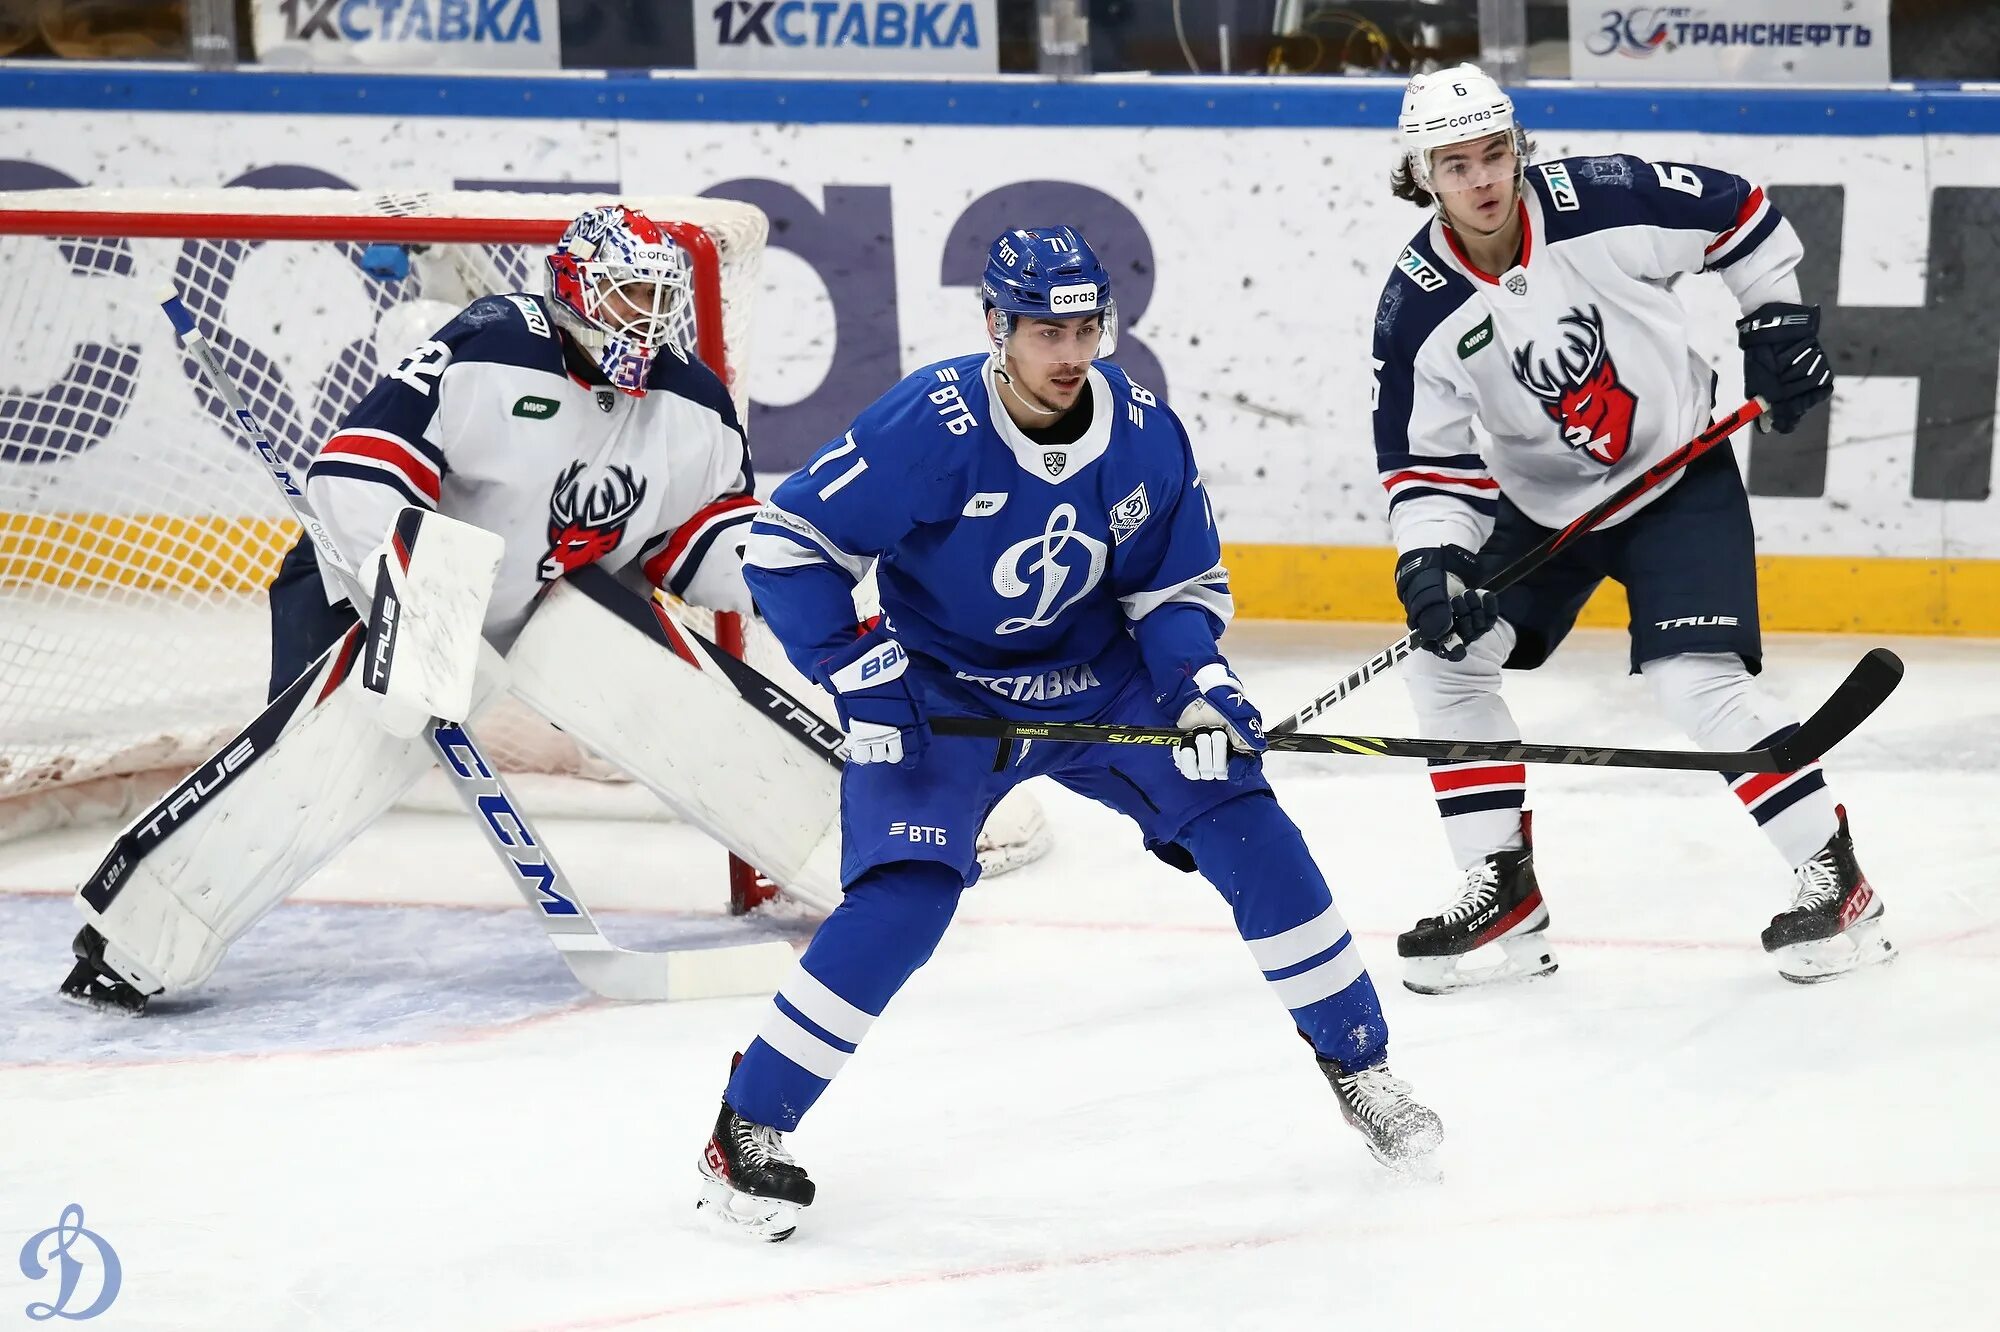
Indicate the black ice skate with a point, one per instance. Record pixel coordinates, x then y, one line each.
91 981
1835 921
1500 903
750 1182
1400 1133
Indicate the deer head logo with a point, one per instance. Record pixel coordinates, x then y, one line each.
1580 389
586 522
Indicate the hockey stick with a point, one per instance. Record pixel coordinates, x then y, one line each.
601 966
1871 681
1392 656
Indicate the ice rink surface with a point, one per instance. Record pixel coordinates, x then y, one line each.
393 1109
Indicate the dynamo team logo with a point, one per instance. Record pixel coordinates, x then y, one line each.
1580 390
70 1253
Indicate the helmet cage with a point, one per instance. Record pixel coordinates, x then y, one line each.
624 290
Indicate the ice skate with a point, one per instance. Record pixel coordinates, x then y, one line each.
749 1181
1835 922
91 981
1499 907
1400 1133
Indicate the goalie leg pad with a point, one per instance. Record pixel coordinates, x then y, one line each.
204 863
619 674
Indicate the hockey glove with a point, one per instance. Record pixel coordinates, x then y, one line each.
1783 363
883 717
1432 582
1213 708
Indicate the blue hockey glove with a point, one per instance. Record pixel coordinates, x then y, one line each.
1433 582
1221 719
884 720
1783 363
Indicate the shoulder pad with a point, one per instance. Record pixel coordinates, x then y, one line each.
693 380
1581 195
510 329
1418 296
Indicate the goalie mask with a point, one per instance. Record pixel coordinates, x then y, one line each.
624 290
1045 273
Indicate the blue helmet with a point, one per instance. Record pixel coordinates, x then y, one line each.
1047 273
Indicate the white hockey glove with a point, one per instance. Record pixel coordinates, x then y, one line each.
883 718
1221 720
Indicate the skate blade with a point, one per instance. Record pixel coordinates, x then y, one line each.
1523 957
101 998
731 1212
1819 960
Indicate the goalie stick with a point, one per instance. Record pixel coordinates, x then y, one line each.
600 966
1871 681
1392 656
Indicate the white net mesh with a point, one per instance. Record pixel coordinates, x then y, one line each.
137 532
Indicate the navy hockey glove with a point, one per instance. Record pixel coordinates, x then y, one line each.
883 718
1433 582
1783 363
1213 708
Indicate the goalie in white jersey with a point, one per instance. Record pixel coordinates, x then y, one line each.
1537 306
579 429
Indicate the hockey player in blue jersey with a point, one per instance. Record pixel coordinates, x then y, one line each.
1043 549
1537 305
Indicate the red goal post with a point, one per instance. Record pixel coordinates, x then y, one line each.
137 534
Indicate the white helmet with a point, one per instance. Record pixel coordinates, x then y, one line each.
1455 105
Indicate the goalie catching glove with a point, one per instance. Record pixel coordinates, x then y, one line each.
883 718
1212 706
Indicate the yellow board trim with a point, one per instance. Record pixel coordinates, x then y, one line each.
1810 593
1807 593
144 552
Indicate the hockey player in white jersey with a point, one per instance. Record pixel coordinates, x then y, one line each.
579 428
1536 304
1043 550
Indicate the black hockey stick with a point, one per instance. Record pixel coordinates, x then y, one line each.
1871 681
1393 655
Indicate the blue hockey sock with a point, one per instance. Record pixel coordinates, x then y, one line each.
1250 849
886 926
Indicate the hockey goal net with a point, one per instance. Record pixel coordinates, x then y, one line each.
137 530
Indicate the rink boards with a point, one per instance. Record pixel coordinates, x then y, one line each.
1249 230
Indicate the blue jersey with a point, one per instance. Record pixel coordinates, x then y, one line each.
1038 577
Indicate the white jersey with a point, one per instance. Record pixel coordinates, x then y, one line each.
499 421
1576 362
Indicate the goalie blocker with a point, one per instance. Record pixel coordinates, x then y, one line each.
195 871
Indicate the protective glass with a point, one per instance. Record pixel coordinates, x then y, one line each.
1467 166
1039 342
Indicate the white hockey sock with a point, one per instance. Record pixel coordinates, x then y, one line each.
1712 697
1480 802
